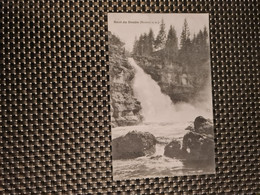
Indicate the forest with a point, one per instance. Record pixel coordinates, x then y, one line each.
191 49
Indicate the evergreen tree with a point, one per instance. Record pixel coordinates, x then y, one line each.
200 44
205 34
185 45
185 35
145 44
161 37
205 42
135 47
200 47
171 46
141 45
150 42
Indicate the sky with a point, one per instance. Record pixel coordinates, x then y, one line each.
128 26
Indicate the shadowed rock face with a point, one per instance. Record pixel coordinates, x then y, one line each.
168 76
198 149
197 146
203 126
173 150
134 144
125 108
199 121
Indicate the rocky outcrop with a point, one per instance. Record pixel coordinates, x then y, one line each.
174 150
197 147
180 83
203 126
171 77
134 144
125 108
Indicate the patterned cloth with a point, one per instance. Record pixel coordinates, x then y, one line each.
55 121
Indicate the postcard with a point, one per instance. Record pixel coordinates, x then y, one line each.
161 95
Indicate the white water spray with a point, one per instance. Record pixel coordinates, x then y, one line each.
156 106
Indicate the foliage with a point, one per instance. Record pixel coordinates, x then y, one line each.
115 40
192 52
190 55
171 46
161 37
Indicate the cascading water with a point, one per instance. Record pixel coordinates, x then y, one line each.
156 106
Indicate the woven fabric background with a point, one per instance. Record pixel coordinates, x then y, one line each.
55 122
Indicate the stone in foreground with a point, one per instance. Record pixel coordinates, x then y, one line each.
134 144
197 149
203 126
174 150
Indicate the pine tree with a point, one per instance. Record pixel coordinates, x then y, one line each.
200 47
205 43
150 42
200 43
161 37
205 34
145 44
185 35
135 47
185 44
171 46
141 45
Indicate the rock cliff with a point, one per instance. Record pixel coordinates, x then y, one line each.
125 108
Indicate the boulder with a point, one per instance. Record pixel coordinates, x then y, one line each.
134 144
199 150
174 150
198 121
203 126
197 147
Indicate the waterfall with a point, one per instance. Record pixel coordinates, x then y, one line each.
156 106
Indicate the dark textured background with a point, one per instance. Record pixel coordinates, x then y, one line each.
55 133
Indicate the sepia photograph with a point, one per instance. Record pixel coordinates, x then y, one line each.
160 95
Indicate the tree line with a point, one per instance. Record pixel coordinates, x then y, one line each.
192 50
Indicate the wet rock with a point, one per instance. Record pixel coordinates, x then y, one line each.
134 144
203 126
174 150
198 121
199 150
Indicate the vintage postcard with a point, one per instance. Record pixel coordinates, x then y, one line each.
161 96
